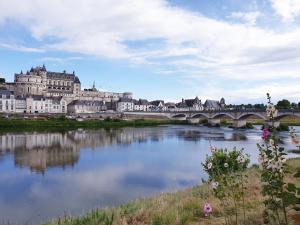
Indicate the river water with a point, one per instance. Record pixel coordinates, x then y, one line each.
44 175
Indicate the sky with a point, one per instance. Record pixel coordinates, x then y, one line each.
160 49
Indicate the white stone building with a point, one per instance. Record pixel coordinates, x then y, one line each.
125 104
141 105
190 105
41 104
7 101
157 105
20 104
85 106
39 81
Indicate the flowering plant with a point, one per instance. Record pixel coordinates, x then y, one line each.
272 163
226 177
294 138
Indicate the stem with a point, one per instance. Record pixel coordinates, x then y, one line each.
243 199
283 205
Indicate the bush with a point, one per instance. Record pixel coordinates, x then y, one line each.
248 126
108 119
226 175
283 127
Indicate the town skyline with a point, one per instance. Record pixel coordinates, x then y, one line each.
161 48
94 85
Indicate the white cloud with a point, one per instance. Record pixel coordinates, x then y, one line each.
248 17
19 48
174 39
287 9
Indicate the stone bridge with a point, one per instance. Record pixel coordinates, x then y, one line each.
239 117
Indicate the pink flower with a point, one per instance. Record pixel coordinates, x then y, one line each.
266 133
207 209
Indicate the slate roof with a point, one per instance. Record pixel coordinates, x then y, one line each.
141 102
87 103
212 104
53 75
125 100
5 92
157 102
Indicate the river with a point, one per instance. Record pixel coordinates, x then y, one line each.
44 175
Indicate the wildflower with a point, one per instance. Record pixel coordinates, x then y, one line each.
272 146
215 185
209 166
225 165
207 209
241 159
213 149
271 111
266 133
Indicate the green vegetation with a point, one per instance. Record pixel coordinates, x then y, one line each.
283 104
61 123
184 207
2 80
248 126
283 127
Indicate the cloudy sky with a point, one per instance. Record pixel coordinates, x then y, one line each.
160 49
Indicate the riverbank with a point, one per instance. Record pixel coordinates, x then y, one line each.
183 207
60 124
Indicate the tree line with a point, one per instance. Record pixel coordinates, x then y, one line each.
282 104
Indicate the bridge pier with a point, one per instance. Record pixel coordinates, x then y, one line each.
214 121
193 120
181 118
276 123
239 123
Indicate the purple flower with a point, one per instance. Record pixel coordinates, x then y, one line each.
266 133
207 209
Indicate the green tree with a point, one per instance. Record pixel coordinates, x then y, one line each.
284 104
2 80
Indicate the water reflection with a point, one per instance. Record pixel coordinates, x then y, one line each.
43 175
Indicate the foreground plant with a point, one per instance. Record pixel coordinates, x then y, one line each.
227 178
294 138
278 195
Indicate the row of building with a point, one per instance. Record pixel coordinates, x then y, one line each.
42 91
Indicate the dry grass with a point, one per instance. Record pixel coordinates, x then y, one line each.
184 207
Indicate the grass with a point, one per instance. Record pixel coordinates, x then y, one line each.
183 207
60 124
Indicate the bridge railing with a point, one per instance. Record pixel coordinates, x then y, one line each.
218 111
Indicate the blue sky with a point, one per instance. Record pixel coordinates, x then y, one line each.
160 49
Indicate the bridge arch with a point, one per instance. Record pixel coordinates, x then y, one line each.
283 115
179 115
199 115
245 116
222 114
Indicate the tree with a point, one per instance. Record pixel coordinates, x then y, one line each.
2 80
284 104
294 105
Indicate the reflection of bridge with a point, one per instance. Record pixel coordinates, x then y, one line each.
239 117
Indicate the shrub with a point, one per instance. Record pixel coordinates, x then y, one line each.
227 178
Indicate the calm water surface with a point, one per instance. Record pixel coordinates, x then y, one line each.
44 175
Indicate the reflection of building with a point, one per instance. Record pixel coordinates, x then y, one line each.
40 151
39 160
